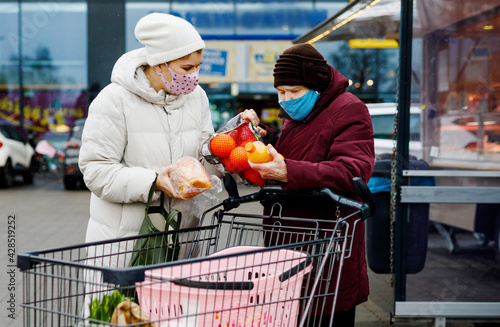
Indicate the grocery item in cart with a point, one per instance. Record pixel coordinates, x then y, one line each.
189 177
128 313
104 308
248 285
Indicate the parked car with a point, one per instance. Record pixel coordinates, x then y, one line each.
72 176
17 156
383 127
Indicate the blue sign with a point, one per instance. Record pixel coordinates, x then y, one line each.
214 62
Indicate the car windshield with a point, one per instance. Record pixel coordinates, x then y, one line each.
383 126
10 133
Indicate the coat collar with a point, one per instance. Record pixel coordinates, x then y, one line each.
337 85
129 73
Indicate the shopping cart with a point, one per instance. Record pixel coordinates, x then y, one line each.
236 269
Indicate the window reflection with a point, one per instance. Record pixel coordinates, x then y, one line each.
463 92
53 41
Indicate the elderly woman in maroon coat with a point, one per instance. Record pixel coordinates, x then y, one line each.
327 140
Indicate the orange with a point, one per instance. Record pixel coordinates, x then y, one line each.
253 176
221 145
228 164
238 158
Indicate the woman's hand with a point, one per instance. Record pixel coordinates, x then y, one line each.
274 170
250 116
164 183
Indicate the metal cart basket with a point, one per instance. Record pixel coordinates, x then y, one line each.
234 270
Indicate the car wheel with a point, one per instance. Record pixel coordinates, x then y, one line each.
7 175
69 183
29 174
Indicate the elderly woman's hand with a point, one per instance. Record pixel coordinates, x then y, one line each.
274 170
250 116
164 183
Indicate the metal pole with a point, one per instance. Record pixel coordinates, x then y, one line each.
404 102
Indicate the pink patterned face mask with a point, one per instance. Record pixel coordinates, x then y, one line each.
181 84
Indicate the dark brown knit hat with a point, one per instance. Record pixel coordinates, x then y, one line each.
301 64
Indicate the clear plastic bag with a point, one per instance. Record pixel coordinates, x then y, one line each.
190 178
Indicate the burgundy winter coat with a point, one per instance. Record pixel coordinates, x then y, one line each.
329 148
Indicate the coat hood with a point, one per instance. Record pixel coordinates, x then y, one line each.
338 83
129 73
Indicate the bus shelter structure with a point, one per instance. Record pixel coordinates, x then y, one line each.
457 68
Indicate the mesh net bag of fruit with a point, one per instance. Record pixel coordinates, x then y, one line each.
226 149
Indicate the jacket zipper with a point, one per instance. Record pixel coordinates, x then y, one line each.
170 149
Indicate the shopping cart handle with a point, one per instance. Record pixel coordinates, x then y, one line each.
366 208
234 201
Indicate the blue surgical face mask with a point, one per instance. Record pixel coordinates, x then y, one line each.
299 108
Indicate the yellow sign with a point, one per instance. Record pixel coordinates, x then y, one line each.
373 43
240 61
261 59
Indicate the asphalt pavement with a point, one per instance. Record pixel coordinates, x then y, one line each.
45 216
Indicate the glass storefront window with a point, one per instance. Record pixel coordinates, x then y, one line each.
237 19
460 91
54 45
9 49
463 93
9 62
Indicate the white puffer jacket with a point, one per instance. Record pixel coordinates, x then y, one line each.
132 132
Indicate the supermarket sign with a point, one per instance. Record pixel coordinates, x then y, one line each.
240 61
214 62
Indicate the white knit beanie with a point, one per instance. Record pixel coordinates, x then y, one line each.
167 37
